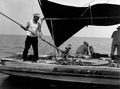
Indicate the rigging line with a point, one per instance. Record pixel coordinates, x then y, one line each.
88 3
49 42
39 1
52 28
84 11
87 8
91 15
41 23
41 28
46 45
107 1
91 18
33 5
53 33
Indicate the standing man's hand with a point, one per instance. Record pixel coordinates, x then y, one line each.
23 27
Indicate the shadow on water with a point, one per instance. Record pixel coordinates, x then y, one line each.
13 82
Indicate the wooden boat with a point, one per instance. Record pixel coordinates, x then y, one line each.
96 71
77 70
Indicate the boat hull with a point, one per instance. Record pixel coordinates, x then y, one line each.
67 73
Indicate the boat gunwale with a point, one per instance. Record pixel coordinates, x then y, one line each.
29 70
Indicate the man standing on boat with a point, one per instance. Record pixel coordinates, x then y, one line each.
115 42
34 29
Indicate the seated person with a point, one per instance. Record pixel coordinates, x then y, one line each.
91 49
67 49
65 54
82 50
92 52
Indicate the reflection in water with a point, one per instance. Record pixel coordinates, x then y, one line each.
12 82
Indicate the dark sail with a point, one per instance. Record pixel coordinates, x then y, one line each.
67 20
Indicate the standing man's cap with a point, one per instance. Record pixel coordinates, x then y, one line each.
36 14
118 27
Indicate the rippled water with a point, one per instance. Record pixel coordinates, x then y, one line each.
10 44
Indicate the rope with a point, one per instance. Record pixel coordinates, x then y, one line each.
53 33
91 15
88 3
91 19
45 45
107 1
48 41
39 1
84 11
33 5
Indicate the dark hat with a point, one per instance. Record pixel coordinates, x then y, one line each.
36 14
86 43
118 27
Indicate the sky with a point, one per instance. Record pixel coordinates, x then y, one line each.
22 10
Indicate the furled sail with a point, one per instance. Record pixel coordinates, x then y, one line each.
64 21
